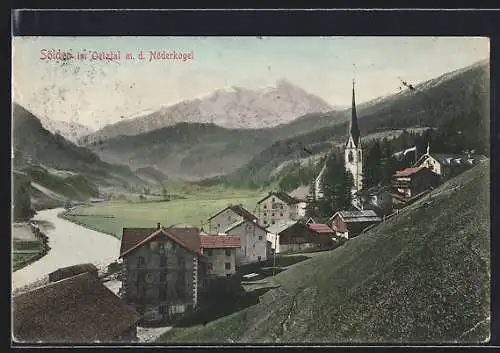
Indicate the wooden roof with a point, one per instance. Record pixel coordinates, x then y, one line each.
189 238
220 242
78 309
239 210
320 228
74 270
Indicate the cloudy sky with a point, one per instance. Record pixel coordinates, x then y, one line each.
96 92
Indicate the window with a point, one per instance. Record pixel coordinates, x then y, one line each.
162 309
141 261
281 214
163 276
265 206
272 214
210 267
272 221
228 275
229 217
259 258
218 225
209 252
228 252
228 265
163 294
265 214
359 155
265 222
281 206
260 237
273 199
350 157
163 261
142 292
161 246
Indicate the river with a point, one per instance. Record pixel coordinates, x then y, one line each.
70 244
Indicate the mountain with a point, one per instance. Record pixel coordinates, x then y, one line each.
195 151
458 100
199 150
234 107
51 158
422 276
71 130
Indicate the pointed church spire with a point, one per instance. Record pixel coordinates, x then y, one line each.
354 129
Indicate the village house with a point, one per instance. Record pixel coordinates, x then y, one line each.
161 270
324 234
413 181
277 208
291 236
253 241
219 253
227 217
348 224
78 309
166 268
74 270
448 165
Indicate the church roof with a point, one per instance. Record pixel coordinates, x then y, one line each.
353 127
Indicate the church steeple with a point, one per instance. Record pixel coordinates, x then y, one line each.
354 129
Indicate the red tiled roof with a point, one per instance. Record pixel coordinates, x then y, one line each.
220 241
407 171
320 228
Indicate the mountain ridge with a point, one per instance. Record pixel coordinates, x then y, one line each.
231 107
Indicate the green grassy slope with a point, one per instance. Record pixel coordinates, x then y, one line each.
422 276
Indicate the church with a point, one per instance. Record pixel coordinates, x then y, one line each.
353 154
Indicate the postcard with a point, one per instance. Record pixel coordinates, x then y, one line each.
278 190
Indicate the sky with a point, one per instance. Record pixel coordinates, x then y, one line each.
98 92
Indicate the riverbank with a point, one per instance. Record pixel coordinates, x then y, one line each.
70 244
29 244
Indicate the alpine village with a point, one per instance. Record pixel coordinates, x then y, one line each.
181 277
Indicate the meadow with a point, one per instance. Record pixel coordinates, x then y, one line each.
194 209
420 277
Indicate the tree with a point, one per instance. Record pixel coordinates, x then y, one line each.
22 200
372 175
337 184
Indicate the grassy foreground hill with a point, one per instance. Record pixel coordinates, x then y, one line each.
420 277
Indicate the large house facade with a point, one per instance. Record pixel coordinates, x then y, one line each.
227 217
253 241
277 208
166 268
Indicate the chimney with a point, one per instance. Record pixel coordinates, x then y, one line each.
158 225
